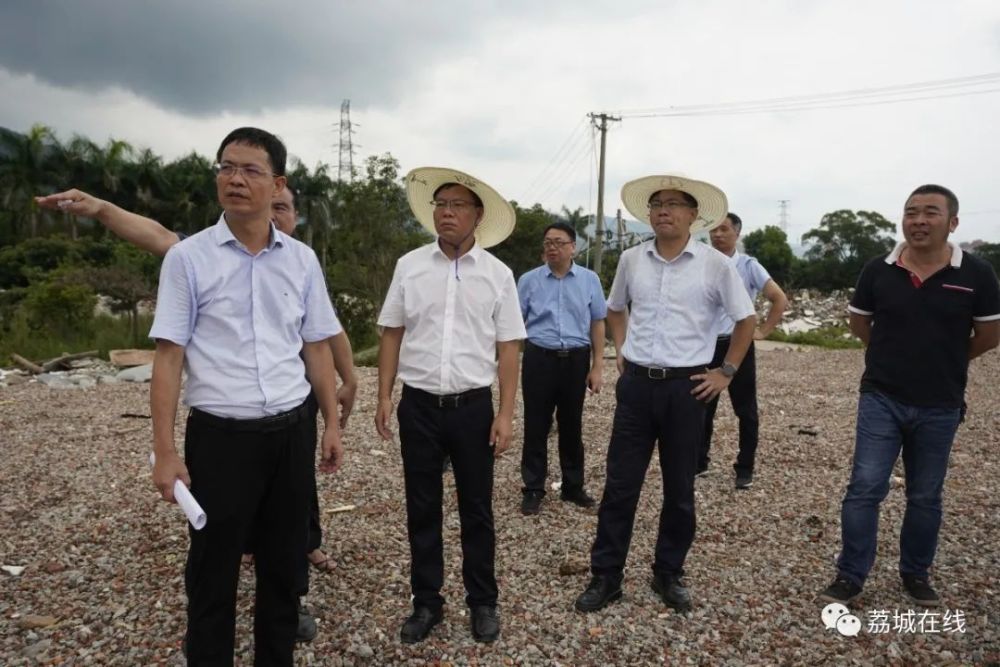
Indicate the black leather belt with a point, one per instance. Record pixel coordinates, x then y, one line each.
662 373
725 336
562 353
262 424
446 400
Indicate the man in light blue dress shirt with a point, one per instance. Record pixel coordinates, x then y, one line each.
665 297
244 310
564 309
743 388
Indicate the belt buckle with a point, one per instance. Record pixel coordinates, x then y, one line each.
657 373
443 400
562 353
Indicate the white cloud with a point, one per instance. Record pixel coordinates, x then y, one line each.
500 103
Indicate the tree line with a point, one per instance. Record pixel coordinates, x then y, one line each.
53 265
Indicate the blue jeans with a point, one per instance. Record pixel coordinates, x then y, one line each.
925 435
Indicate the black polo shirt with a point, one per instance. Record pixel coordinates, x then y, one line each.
919 348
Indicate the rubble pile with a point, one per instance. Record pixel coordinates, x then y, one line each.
811 309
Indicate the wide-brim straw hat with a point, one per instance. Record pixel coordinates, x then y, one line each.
712 203
498 215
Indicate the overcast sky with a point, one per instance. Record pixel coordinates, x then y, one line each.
502 89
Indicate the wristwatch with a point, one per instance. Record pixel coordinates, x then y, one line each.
728 369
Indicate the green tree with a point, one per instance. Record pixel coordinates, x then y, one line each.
522 250
770 246
61 307
579 221
841 245
25 171
991 253
372 228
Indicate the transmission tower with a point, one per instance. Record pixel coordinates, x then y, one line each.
783 214
345 166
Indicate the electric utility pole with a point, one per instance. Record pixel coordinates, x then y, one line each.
600 121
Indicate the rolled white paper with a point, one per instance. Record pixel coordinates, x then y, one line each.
195 514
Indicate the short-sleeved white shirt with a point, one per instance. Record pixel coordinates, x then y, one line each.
454 313
675 304
242 320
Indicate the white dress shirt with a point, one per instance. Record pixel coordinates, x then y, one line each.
674 304
242 320
454 313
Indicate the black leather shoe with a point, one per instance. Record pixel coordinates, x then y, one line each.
602 591
306 630
531 502
672 592
578 497
419 624
485 624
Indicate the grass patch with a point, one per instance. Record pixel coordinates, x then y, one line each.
104 333
367 356
833 338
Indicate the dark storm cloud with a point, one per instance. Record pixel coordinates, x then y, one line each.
206 56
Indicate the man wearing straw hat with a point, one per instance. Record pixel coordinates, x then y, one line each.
451 325
666 296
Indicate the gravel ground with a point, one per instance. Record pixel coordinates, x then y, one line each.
103 557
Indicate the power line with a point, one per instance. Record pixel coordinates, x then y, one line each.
568 168
568 147
858 97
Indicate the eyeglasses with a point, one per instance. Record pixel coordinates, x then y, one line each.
456 205
671 205
555 243
250 171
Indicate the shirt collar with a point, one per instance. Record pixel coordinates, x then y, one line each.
474 252
956 254
690 249
549 272
222 234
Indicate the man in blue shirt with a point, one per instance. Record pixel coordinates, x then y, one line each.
743 388
243 308
564 309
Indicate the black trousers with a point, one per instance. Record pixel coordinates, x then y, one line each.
650 412
315 539
250 482
427 433
743 397
550 382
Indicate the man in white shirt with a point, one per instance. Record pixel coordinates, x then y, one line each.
243 308
451 325
664 300
149 235
743 388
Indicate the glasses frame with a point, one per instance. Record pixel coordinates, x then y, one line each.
456 205
220 169
669 205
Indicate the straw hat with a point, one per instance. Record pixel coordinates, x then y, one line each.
712 203
498 218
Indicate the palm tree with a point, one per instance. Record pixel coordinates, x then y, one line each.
25 171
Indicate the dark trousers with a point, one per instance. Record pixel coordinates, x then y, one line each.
650 412
558 383
743 397
427 434
250 482
315 539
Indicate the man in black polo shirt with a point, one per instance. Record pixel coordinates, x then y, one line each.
924 299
